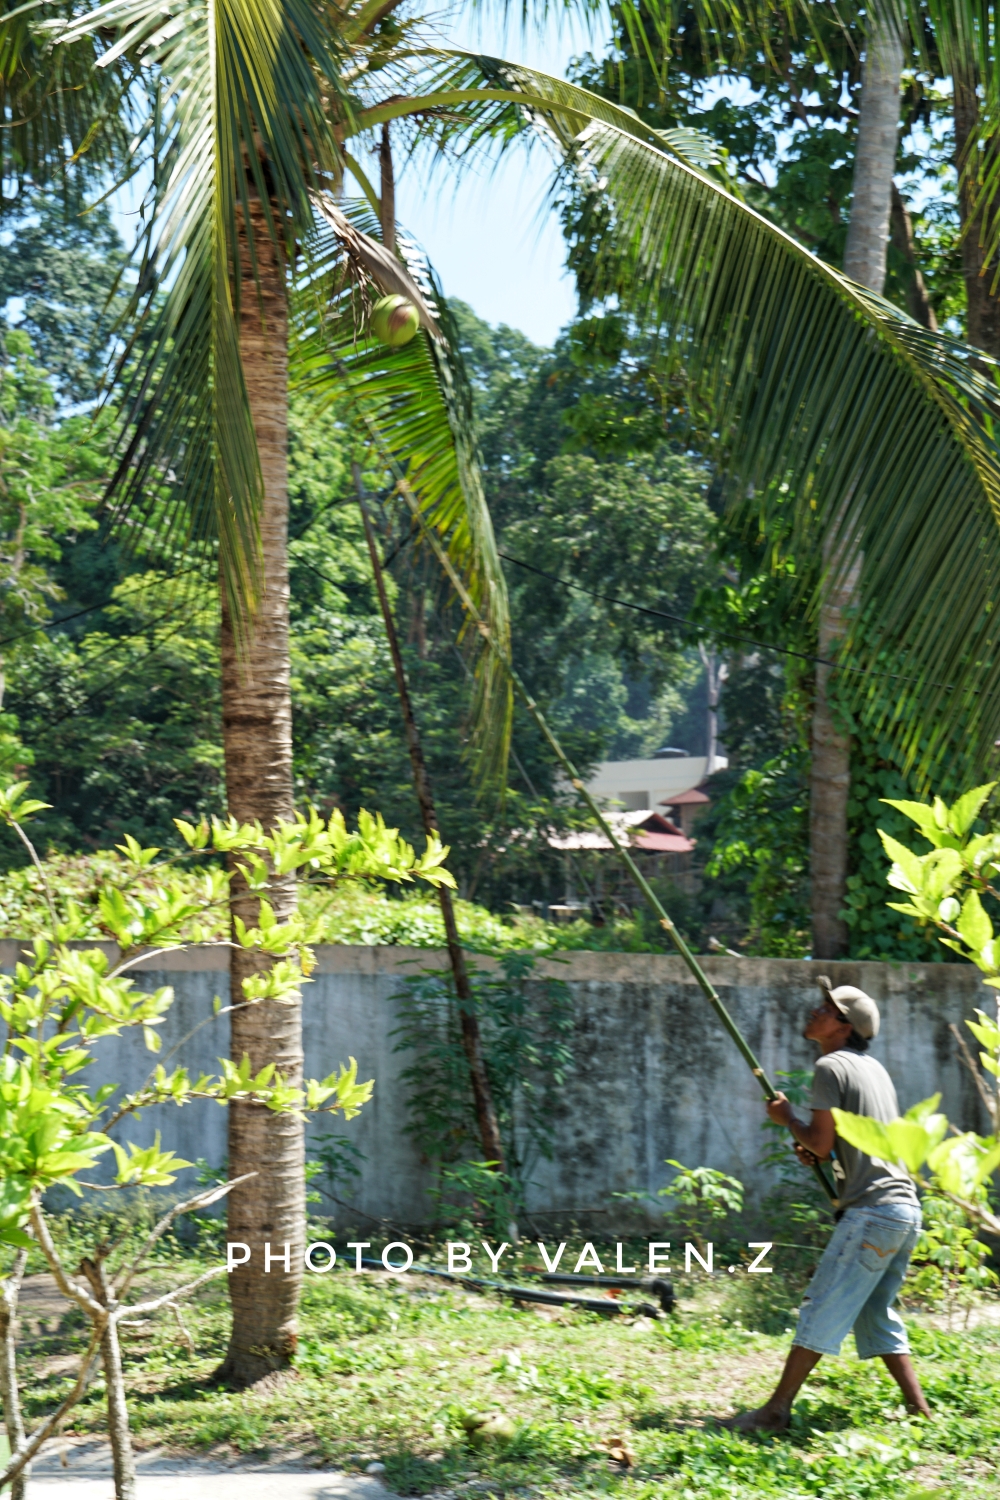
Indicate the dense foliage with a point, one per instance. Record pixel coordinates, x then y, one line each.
593 476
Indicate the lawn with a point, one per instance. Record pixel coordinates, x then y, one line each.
388 1368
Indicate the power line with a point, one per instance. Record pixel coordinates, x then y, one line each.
662 614
117 641
76 713
77 614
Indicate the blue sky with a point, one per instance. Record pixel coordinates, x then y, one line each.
490 236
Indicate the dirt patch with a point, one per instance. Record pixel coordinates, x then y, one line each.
40 1295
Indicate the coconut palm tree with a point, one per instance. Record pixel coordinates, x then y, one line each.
234 120
964 35
730 28
823 400
864 262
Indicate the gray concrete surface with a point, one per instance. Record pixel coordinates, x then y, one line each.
87 1475
186 1485
654 1077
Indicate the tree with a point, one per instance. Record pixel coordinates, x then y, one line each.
801 71
865 262
53 1127
207 367
49 486
810 390
62 270
240 121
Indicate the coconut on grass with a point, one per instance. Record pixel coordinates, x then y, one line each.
394 321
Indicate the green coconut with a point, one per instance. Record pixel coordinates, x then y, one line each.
494 1428
394 321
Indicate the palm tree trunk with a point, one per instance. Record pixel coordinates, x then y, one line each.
983 301
875 158
864 261
268 1211
482 1094
387 195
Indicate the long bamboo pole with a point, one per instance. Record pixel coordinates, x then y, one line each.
486 1115
578 784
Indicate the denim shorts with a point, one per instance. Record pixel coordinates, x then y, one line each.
858 1280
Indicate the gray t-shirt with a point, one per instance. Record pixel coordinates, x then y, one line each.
856 1082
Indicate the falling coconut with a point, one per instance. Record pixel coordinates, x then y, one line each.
394 321
493 1428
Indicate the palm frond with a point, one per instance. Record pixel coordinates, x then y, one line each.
417 400
820 396
56 105
238 140
465 99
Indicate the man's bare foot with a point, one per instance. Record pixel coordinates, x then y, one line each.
764 1419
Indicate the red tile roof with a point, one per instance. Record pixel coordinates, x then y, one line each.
687 799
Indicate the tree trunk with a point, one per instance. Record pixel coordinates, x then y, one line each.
829 785
9 1395
482 1094
918 302
716 673
875 158
269 1210
864 261
387 199
983 304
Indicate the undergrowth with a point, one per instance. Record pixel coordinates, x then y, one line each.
398 1369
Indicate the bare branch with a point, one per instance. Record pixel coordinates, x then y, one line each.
202 1200
144 953
71 1289
49 1426
169 1297
9 1395
967 1058
182 1328
41 871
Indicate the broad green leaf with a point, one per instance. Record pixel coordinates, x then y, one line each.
966 810
962 1163
974 925
907 872
923 1111
900 1141
942 868
910 1143
919 813
986 1031
868 1135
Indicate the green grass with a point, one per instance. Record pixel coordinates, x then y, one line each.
387 1370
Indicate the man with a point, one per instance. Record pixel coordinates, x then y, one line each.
863 1266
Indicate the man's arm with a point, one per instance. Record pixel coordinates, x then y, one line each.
816 1137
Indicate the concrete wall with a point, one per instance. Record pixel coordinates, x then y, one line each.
655 1076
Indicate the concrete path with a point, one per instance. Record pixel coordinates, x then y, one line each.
162 1476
